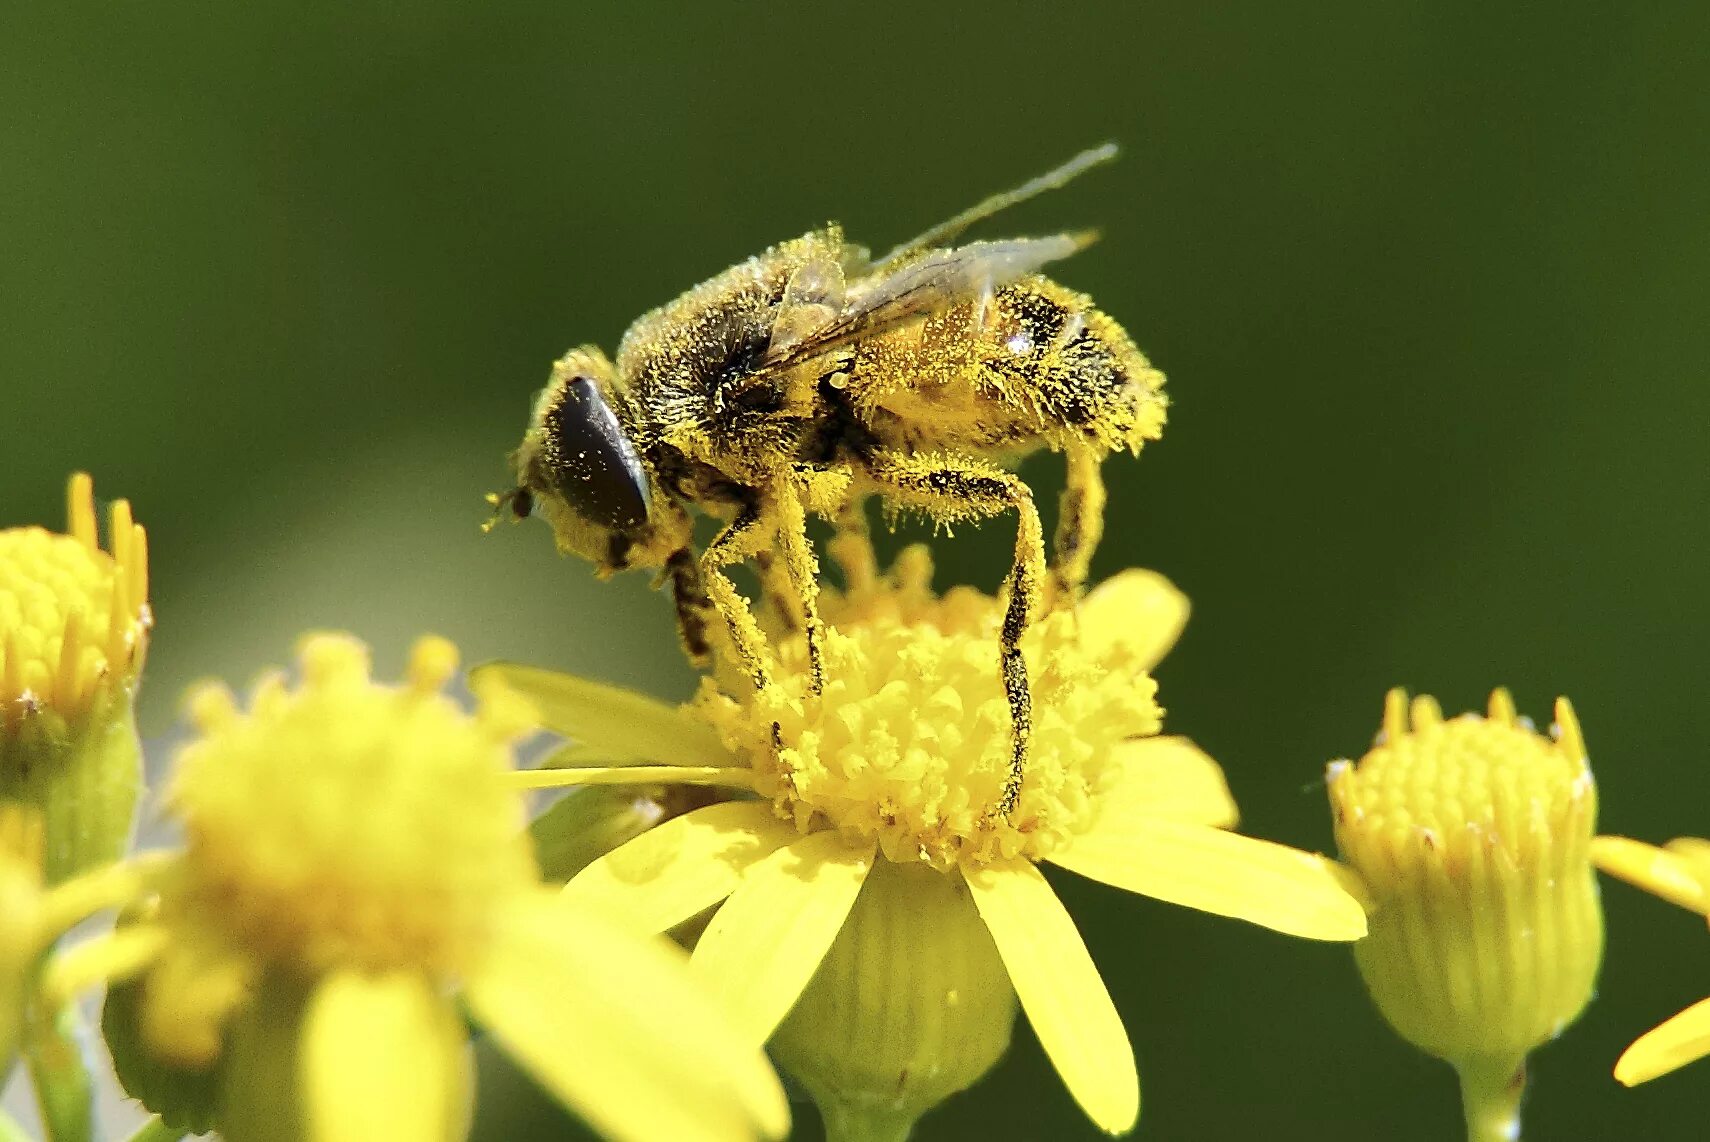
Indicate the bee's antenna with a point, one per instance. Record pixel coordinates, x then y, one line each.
498 501
1033 187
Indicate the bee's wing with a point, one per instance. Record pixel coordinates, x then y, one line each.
931 283
1050 180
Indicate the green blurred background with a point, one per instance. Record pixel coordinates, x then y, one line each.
1428 282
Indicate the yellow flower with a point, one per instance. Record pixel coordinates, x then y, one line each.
1473 837
354 866
893 767
74 623
1679 872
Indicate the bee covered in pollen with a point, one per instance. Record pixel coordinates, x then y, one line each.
812 377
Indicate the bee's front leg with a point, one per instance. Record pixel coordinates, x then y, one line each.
694 606
739 539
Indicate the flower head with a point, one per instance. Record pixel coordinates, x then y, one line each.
908 745
1473 837
1679 872
74 623
885 777
354 860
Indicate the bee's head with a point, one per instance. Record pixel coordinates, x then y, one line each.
577 467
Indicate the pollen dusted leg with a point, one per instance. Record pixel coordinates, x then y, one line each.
951 489
1080 524
803 571
778 591
734 544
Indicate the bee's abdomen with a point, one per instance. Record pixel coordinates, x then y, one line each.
1076 362
1033 365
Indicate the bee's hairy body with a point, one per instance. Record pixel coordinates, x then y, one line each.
807 380
1033 365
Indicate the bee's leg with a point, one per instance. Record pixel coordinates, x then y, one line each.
739 540
778 590
694 607
1080 525
803 569
950 489
852 548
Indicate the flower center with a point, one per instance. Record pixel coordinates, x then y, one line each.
1494 776
350 823
909 743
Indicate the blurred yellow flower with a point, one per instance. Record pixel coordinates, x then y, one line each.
1473 838
1679 872
896 763
33 917
74 623
354 866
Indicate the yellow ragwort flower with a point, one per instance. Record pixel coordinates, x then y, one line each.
1679 872
74 623
354 867
1473 837
872 800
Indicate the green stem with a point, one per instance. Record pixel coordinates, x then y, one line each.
154 1130
847 1121
1491 1090
64 1090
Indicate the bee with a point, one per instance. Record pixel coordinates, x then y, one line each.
811 378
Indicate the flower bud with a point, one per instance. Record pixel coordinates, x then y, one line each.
1473 837
74 623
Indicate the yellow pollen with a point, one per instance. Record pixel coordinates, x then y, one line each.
909 743
344 822
72 616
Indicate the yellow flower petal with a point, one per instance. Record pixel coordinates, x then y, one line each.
1657 871
1299 893
1061 991
1692 848
384 1056
1681 1040
766 942
606 723
1170 778
1137 608
669 873
1695 851
612 1024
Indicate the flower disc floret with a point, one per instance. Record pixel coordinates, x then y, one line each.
317 822
909 743
73 617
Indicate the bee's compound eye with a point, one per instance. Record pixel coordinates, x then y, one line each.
522 503
592 462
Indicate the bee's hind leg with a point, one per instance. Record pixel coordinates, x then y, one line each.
950 489
1080 524
737 542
